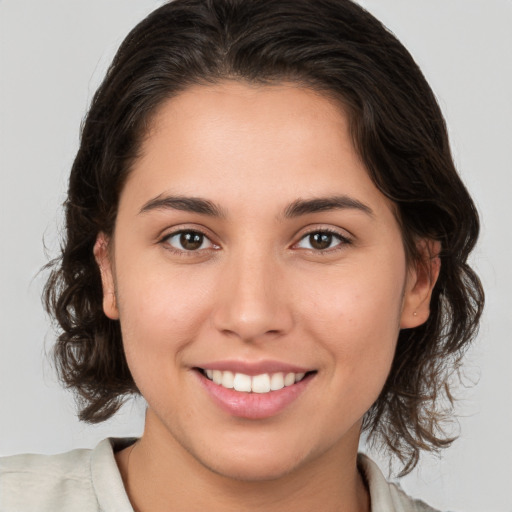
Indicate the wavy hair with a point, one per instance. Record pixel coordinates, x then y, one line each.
331 46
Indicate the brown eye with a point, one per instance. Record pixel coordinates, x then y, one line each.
322 240
189 241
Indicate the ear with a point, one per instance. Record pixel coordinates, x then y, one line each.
102 257
421 278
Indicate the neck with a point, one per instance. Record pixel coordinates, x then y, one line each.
161 476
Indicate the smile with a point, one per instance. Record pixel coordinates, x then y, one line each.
254 391
263 383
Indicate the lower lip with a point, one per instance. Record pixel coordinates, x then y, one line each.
253 406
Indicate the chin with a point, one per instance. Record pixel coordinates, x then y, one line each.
251 470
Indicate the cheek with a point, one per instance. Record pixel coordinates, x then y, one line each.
160 314
356 320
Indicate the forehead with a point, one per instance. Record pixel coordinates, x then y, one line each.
238 99
265 119
234 141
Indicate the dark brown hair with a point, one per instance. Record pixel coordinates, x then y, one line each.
332 46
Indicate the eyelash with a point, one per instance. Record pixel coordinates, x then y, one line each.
342 241
184 252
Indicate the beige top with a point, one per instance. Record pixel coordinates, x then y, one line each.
89 481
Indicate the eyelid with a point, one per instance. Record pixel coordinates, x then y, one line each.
342 236
167 234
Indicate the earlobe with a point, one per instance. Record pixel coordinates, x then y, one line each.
102 257
421 280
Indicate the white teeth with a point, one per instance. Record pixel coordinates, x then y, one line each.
263 383
277 381
217 376
228 380
242 382
289 379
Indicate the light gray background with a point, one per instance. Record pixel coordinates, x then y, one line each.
53 55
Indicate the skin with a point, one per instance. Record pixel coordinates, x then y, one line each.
255 290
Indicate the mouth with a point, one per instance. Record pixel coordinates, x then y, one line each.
254 390
261 384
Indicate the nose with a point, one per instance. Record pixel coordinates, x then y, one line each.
252 300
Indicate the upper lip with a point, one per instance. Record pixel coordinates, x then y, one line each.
253 367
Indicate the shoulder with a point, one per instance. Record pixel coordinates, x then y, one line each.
385 496
72 481
46 482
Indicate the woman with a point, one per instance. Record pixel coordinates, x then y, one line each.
267 239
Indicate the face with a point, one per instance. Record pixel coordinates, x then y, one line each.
251 249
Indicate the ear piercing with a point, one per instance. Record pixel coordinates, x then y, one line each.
414 313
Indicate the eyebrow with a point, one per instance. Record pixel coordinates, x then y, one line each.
322 204
295 209
185 204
